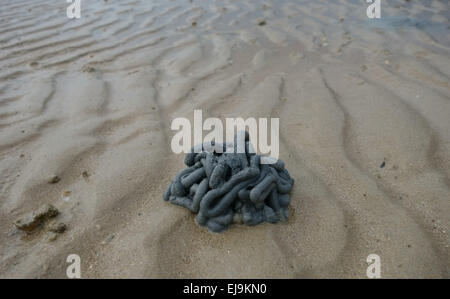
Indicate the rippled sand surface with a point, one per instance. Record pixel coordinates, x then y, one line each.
96 96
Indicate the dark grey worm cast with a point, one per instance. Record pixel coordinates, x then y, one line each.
225 187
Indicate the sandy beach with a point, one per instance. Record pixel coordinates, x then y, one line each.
364 110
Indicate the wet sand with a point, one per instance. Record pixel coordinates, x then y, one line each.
91 101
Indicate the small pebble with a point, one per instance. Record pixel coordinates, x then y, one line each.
32 220
66 195
54 180
52 237
58 227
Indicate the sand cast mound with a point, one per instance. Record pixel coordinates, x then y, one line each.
222 187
